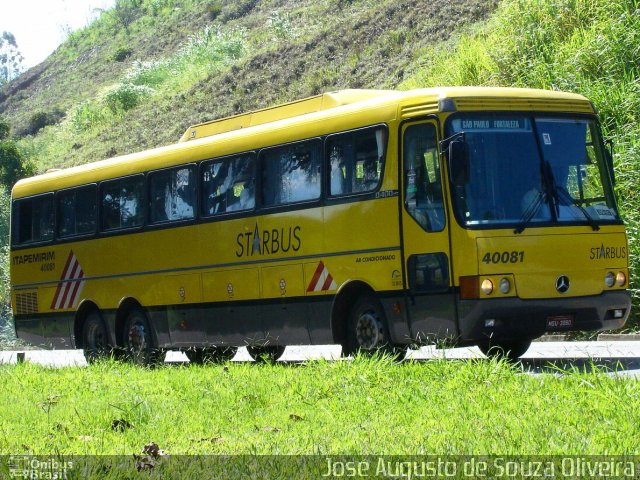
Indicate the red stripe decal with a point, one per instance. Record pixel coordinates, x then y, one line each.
316 277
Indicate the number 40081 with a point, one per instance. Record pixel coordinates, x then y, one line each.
503 257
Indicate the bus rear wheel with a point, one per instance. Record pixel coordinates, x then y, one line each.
266 354
510 350
210 355
139 345
95 338
367 330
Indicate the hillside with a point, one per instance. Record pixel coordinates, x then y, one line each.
195 61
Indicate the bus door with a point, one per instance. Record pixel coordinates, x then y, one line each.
425 235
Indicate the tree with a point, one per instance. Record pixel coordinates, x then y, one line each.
10 58
5 128
12 164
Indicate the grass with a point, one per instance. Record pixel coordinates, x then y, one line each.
366 406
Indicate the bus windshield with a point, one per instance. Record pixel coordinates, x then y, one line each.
527 170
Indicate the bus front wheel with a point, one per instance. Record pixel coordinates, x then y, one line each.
367 330
138 340
510 350
95 338
211 354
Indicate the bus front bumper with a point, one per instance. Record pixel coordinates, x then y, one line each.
515 318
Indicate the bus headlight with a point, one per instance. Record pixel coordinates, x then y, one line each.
609 279
505 285
486 287
621 279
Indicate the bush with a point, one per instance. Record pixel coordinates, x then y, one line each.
126 96
213 10
41 119
12 166
150 74
87 115
281 26
238 9
157 7
125 12
122 54
213 45
5 128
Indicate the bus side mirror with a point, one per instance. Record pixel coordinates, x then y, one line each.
459 162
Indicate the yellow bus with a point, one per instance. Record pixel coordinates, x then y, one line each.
371 219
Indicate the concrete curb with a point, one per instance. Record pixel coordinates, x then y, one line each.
618 337
551 338
603 337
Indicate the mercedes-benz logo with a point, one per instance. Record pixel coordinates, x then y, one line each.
562 284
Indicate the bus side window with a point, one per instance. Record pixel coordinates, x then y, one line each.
172 194
228 185
291 173
121 203
76 211
356 160
33 220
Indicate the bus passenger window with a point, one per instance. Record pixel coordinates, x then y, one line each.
33 220
122 202
356 160
77 211
423 188
228 185
291 173
172 194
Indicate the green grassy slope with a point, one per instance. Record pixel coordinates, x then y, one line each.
324 408
197 61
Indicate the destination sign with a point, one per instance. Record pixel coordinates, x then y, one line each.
491 124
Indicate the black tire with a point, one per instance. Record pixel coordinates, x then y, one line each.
510 350
367 330
266 354
139 344
210 355
95 338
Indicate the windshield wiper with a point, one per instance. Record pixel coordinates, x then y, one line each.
530 211
566 197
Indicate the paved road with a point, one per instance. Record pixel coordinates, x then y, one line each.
620 357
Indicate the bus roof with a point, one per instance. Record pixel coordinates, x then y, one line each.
330 111
296 108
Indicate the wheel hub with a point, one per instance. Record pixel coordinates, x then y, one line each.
369 331
96 337
137 337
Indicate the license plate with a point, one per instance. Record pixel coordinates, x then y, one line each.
559 322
